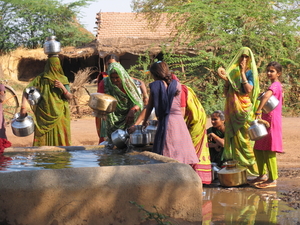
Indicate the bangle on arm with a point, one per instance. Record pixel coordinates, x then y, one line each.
134 109
244 82
65 92
258 112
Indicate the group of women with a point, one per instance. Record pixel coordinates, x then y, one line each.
181 132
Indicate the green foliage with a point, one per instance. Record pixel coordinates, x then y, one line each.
27 23
218 28
156 216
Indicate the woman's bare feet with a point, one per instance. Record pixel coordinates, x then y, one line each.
267 184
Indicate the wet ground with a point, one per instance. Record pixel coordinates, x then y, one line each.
249 205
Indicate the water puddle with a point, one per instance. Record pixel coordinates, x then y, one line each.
246 205
18 161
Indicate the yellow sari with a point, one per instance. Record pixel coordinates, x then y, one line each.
195 118
239 112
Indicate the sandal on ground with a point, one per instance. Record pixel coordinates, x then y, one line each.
267 184
258 180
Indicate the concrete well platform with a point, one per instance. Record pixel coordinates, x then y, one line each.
100 195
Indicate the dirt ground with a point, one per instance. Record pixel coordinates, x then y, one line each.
83 132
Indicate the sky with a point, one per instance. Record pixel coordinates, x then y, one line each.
88 14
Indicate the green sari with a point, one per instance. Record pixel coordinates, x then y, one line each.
127 98
239 111
52 113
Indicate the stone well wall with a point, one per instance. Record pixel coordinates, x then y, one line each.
100 195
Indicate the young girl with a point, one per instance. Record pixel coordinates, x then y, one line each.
265 149
215 136
172 137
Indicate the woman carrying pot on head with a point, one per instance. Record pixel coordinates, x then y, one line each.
52 113
121 86
241 90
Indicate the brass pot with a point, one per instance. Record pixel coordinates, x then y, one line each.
232 174
102 102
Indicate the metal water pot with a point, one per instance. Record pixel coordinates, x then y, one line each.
270 105
33 95
139 137
51 46
257 130
120 138
232 174
22 127
138 85
102 104
214 170
151 129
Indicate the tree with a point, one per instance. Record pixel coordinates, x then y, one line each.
218 28
28 22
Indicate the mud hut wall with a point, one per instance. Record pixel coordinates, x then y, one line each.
19 63
73 65
24 64
1 72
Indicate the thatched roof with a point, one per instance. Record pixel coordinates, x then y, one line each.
84 51
130 33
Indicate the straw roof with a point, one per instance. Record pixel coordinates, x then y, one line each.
130 33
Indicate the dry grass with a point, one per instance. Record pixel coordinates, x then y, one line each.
79 104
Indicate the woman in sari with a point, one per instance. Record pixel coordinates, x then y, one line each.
121 86
100 122
195 118
52 113
241 90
